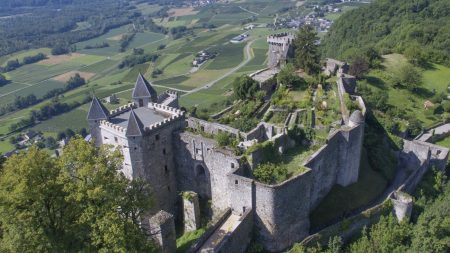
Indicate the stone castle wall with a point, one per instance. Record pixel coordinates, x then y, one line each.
153 157
282 210
203 168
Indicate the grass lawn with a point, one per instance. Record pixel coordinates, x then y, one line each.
20 55
341 200
202 99
75 120
187 239
6 146
434 78
229 56
294 158
444 142
147 9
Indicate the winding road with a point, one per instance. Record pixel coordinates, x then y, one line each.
247 56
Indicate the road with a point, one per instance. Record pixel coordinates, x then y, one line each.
247 56
251 12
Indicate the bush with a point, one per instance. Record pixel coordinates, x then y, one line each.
270 173
223 139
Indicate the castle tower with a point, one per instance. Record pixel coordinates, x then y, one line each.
351 151
280 49
143 92
134 156
97 112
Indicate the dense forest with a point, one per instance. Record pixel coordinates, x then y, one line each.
52 24
393 26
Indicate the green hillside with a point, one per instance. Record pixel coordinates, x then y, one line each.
393 26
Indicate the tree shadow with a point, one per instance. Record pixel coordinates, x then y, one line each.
377 82
427 66
423 92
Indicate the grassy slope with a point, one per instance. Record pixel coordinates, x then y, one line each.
435 78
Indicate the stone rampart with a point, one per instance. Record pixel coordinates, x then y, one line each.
282 211
210 127
203 168
239 238
212 226
262 132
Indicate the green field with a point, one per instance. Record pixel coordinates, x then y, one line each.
175 61
444 142
435 78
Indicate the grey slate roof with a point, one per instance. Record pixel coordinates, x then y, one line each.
97 111
135 126
143 88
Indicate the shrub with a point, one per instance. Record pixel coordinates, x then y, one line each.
270 173
223 139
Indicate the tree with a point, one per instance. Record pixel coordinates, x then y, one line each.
51 143
76 203
415 55
3 80
75 81
407 76
59 50
245 87
288 77
306 50
359 67
223 139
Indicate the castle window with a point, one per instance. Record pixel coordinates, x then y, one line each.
135 148
166 170
116 140
236 182
232 165
168 188
141 102
157 137
164 151
198 151
105 138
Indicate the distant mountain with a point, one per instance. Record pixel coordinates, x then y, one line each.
393 26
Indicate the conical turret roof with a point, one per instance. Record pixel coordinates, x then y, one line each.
143 88
135 126
97 111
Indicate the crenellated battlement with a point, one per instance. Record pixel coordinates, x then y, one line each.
112 126
122 109
165 109
280 39
163 123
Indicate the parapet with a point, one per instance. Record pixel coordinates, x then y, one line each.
113 127
122 109
280 39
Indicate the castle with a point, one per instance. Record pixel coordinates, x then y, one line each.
280 49
164 146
